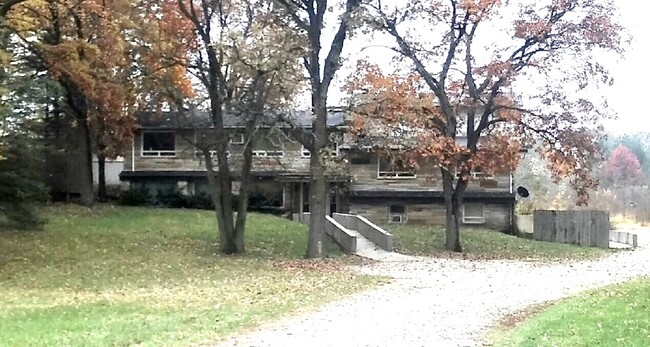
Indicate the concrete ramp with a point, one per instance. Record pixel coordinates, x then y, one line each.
373 242
357 235
370 250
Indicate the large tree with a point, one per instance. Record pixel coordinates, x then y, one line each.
246 69
89 47
21 187
307 17
637 143
499 74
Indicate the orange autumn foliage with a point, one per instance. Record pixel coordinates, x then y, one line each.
98 50
457 89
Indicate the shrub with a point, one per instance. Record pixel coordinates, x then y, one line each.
170 198
200 201
135 197
21 189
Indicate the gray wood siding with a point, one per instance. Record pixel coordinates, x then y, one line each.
497 216
187 160
428 178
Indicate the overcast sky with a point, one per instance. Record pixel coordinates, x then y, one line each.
631 73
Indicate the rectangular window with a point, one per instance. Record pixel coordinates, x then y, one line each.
268 147
397 214
304 152
265 153
266 196
477 174
334 152
159 187
237 139
213 154
473 214
360 157
394 168
158 144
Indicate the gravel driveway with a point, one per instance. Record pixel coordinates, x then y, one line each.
442 302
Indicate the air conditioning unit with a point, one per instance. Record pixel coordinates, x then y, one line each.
397 218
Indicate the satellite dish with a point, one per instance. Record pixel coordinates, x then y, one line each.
523 192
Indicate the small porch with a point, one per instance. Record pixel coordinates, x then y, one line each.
297 193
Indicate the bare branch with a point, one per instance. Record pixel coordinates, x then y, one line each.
332 62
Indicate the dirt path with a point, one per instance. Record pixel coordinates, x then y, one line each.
440 302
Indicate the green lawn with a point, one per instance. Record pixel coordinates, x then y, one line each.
613 316
485 244
124 276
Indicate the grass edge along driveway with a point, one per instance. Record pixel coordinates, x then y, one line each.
484 244
615 315
122 276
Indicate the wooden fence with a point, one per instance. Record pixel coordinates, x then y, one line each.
584 228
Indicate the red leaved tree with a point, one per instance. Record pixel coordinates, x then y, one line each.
486 77
622 168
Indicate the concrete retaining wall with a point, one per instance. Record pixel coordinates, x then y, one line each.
524 223
337 232
627 238
372 232
584 228
304 218
369 230
341 235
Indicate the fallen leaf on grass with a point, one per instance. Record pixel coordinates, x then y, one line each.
318 265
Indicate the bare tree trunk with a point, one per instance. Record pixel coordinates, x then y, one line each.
452 208
85 183
318 185
229 245
244 190
222 212
317 208
101 178
320 80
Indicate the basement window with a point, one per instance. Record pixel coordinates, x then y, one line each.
473 214
237 139
397 214
158 144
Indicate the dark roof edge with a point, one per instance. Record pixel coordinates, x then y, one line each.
426 194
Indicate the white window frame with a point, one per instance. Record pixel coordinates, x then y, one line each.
213 153
401 216
304 152
476 175
391 175
268 154
474 219
237 139
336 149
154 153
